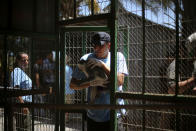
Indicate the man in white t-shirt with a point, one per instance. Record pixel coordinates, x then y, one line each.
101 57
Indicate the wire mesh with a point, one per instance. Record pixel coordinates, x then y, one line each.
160 51
160 48
156 46
77 44
2 118
26 80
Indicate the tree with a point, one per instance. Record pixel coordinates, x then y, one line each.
67 7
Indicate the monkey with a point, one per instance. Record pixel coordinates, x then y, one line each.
97 73
92 74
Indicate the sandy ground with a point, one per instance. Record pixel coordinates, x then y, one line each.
42 125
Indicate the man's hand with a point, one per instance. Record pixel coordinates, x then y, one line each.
101 83
92 63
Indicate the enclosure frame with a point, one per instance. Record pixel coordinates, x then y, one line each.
177 101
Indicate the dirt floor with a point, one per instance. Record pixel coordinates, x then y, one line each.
44 124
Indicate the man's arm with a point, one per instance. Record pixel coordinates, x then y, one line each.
78 85
120 76
19 98
183 86
37 80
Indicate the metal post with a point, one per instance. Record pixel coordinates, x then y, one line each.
177 62
143 62
126 51
83 91
33 79
32 54
57 42
113 66
7 125
92 7
74 9
62 80
57 84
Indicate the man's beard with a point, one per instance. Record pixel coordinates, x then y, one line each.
104 55
106 52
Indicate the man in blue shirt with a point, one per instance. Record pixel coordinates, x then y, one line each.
101 57
48 74
69 93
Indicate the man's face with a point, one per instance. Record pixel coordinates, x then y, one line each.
23 63
101 51
50 57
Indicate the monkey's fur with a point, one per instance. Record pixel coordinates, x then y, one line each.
97 73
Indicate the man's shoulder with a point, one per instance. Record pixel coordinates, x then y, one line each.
120 54
16 70
120 57
86 56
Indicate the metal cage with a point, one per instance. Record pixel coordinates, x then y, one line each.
152 36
